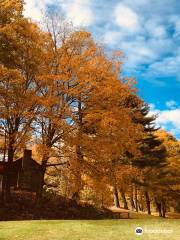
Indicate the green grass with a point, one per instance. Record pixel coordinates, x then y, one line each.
88 230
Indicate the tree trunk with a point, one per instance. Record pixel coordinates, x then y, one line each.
76 198
3 190
132 198
39 193
124 199
136 199
8 174
116 197
148 203
7 185
78 174
102 200
158 206
141 204
163 209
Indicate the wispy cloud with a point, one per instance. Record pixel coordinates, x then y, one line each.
126 18
142 30
166 67
34 8
79 11
171 104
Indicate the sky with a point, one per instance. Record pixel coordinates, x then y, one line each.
148 34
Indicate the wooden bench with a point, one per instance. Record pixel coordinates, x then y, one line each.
117 215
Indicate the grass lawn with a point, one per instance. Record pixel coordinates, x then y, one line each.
89 229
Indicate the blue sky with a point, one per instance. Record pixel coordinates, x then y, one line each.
148 33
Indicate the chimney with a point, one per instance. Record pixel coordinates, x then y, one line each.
26 163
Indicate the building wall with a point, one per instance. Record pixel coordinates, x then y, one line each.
1 177
29 176
25 172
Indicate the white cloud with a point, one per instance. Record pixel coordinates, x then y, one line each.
34 8
126 18
79 11
152 106
112 37
171 104
170 116
141 50
168 66
155 29
167 119
138 52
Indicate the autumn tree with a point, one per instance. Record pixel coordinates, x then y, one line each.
20 55
166 188
104 126
53 83
10 11
152 152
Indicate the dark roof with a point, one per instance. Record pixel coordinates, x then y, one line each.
17 165
32 160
